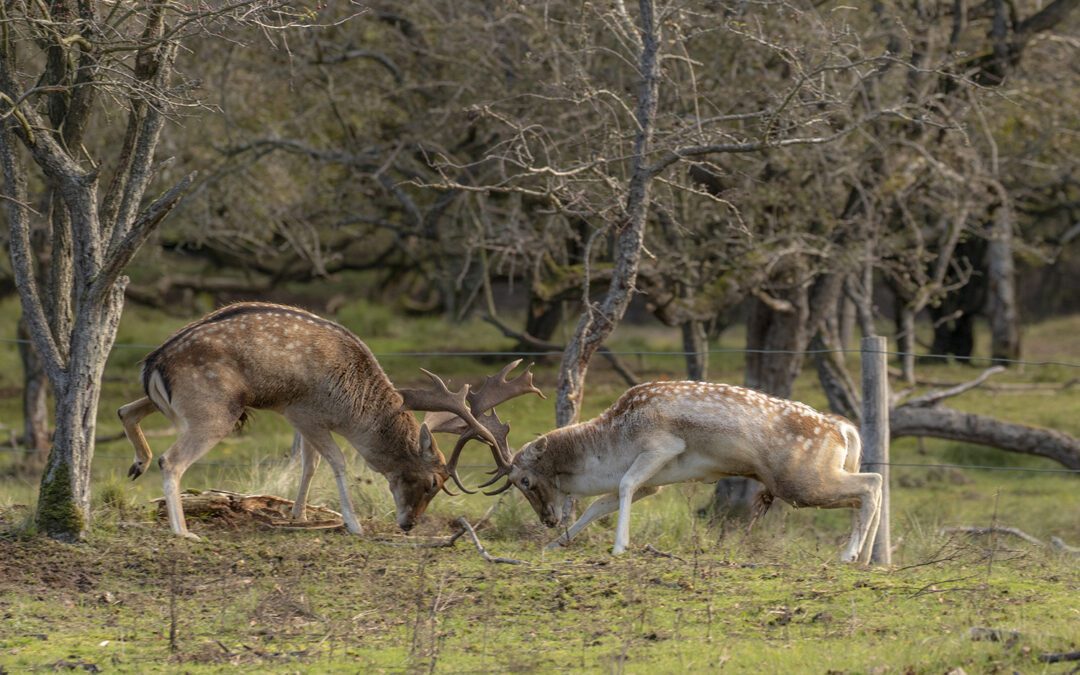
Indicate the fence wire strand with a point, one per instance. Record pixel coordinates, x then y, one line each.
975 360
266 461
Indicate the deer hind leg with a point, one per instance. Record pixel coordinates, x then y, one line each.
598 509
861 491
130 416
866 546
193 443
323 443
659 449
309 460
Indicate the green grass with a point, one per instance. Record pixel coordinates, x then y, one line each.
773 601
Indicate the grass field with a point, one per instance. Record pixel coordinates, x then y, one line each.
134 599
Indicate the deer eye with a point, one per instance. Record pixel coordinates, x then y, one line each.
525 482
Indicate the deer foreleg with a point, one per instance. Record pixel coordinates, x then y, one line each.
309 461
598 509
659 450
322 442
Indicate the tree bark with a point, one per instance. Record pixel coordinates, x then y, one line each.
942 422
597 322
776 340
696 347
35 401
1001 277
542 321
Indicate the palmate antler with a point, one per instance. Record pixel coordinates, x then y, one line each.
497 389
470 413
441 400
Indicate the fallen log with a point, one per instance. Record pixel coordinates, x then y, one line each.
940 422
269 510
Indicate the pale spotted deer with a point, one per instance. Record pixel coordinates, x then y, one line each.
323 379
671 432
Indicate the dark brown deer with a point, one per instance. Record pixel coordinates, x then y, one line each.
322 379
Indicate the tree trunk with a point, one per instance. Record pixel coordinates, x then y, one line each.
1004 319
846 322
776 340
35 401
942 422
696 347
64 502
906 324
839 387
542 320
597 322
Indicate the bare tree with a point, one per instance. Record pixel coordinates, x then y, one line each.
60 63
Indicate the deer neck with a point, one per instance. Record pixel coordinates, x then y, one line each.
566 449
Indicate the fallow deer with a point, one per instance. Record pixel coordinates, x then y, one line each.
671 432
323 379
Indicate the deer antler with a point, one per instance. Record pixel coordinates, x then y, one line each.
440 399
498 389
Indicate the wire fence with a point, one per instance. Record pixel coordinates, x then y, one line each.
681 353
284 462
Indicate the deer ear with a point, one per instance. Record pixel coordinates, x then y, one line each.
427 441
540 444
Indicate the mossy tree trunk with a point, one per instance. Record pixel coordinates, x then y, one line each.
72 314
64 501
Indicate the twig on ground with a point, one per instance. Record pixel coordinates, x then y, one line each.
999 386
480 547
438 542
487 514
1059 657
661 554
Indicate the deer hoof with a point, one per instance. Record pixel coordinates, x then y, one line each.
190 536
136 470
556 544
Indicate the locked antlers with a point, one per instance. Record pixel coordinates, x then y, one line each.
471 413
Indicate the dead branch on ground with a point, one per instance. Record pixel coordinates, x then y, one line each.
1055 542
480 547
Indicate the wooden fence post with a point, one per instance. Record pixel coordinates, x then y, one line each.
875 434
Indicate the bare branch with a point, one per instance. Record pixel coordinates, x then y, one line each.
121 254
462 522
935 397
